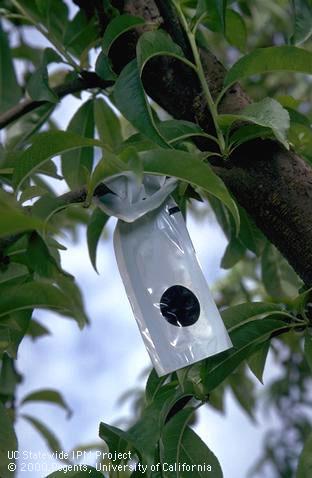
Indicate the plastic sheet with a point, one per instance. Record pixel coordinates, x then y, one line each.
130 198
177 317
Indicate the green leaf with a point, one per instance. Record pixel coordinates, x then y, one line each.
178 130
304 469
300 303
50 396
180 444
257 361
87 472
143 436
275 58
9 378
26 52
39 258
132 103
96 224
217 397
38 85
68 286
147 431
77 164
297 117
172 439
249 237
107 124
104 69
246 340
134 163
31 192
29 8
47 206
288 101
243 390
13 328
238 314
222 215
80 33
14 219
45 146
216 8
107 167
188 167
4 339
13 271
248 132
117 27
308 349
129 91
157 43
268 113
139 142
195 451
36 330
48 168
252 238
38 294
48 436
116 440
235 251
300 137
54 15
236 31
302 21
8 441
10 92
153 385
190 382
279 279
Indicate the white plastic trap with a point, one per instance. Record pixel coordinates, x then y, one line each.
171 301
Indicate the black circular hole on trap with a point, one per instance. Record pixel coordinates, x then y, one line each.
179 306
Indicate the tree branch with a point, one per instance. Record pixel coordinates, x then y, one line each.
80 195
88 80
173 26
272 184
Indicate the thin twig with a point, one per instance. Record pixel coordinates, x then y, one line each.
87 80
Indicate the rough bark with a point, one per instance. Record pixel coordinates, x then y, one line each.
273 185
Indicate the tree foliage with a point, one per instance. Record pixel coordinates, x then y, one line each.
265 305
